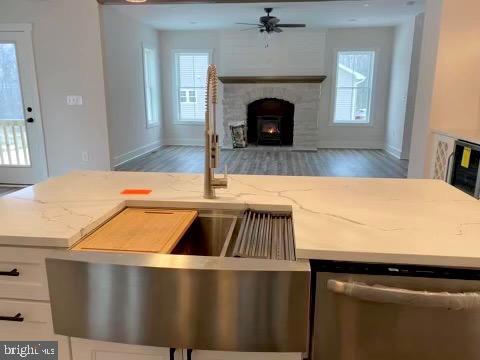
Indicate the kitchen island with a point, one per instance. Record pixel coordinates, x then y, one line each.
423 222
419 222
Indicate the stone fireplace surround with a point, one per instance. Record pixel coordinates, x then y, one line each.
303 92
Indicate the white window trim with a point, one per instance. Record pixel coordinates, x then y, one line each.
176 99
156 122
333 96
21 27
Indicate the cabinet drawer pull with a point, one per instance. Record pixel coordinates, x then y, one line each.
17 318
13 272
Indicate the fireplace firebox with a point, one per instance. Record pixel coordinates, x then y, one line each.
269 130
270 122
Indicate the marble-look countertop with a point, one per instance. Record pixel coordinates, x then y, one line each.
373 220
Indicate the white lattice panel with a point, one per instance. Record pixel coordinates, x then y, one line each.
441 160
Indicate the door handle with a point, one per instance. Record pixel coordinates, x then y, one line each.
13 272
30 120
17 318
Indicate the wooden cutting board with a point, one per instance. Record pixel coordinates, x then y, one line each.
140 230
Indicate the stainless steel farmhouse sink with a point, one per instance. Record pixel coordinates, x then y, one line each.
199 296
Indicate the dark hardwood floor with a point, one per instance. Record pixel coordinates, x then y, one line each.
275 161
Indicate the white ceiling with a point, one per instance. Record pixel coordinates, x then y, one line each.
314 14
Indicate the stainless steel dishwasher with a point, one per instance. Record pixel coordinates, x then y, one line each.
395 312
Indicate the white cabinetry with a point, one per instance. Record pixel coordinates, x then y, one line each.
89 349
443 148
24 291
29 263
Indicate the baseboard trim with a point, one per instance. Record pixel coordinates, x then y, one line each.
183 142
377 145
397 153
121 159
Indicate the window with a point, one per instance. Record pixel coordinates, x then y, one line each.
353 92
191 75
188 96
152 96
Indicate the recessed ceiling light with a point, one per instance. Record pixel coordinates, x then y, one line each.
136 1
366 4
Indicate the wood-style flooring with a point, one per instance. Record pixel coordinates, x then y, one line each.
275 161
4 190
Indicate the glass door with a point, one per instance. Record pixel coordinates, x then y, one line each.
22 152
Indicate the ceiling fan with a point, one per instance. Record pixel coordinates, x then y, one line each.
270 24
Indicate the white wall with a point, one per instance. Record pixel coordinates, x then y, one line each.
174 132
68 58
298 52
359 136
123 39
449 83
413 85
400 78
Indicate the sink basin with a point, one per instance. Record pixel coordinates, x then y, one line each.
209 235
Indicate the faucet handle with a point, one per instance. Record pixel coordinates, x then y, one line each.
221 183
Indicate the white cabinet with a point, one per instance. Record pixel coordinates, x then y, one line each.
31 280
24 291
443 148
226 355
36 324
83 349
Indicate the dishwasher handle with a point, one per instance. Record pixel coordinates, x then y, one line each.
397 296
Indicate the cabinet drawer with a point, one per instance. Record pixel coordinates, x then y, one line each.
36 324
31 282
83 349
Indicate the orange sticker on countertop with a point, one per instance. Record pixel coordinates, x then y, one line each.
136 192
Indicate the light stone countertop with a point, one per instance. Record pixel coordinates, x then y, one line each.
424 222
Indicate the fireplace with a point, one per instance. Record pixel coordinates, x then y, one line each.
296 99
270 122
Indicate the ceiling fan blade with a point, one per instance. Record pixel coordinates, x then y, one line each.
249 24
277 29
291 25
253 28
273 21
